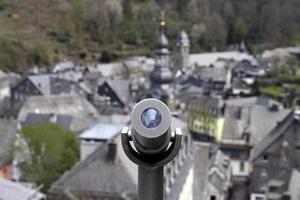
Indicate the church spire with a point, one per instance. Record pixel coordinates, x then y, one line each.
162 40
162 73
162 21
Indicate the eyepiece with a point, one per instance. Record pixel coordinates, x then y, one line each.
151 121
151 118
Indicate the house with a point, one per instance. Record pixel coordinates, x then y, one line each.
115 92
42 85
214 79
246 122
16 191
93 137
204 116
275 156
108 173
209 59
8 131
219 177
211 173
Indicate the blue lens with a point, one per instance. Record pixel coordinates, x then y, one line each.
151 118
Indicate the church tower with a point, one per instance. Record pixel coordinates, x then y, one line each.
182 51
161 77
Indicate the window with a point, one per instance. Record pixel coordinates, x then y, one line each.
284 156
242 166
213 197
272 189
264 171
265 157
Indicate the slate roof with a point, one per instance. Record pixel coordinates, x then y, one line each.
96 174
120 87
32 118
15 191
250 101
211 73
207 59
277 131
80 124
187 93
208 101
102 131
8 130
251 115
50 84
63 120
72 105
234 127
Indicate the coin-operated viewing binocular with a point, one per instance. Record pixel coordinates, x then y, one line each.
150 143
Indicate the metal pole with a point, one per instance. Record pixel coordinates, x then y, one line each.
150 185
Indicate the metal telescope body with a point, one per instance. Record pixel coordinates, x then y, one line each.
151 144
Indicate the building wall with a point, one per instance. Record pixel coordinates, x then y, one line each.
106 90
187 190
87 148
204 120
277 160
23 90
4 92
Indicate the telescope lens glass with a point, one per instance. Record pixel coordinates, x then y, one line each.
151 118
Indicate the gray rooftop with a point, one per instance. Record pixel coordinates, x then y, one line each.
72 105
120 87
251 115
270 137
211 73
15 191
50 84
102 131
62 120
97 174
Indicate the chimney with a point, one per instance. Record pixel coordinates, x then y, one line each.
111 151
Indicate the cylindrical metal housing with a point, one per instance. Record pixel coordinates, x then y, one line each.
154 139
150 183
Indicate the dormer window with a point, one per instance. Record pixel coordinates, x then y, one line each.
265 157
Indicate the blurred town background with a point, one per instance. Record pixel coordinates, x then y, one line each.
72 70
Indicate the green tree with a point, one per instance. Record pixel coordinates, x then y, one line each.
52 150
237 32
76 14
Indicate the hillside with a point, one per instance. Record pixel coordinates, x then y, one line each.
45 31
